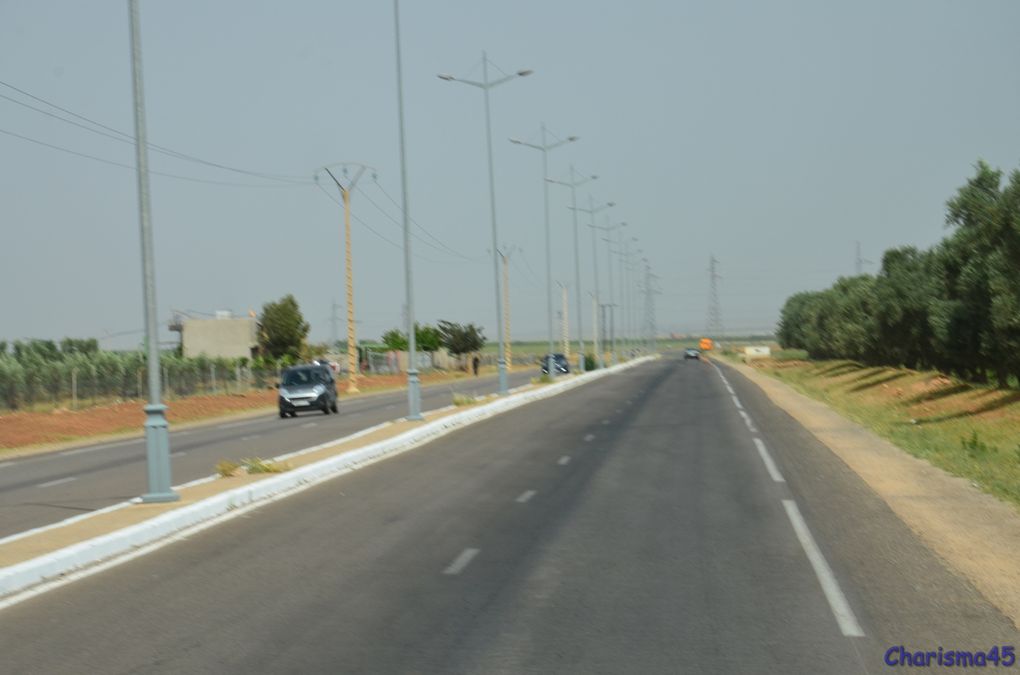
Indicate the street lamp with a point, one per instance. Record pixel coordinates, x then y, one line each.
573 184
413 385
485 85
352 350
591 211
544 148
157 435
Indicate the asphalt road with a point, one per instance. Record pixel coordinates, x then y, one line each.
629 526
47 488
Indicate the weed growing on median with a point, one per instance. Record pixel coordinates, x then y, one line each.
460 399
226 469
544 379
259 465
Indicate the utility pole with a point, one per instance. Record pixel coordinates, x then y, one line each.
352 352
595 323
714 326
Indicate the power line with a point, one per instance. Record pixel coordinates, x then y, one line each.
123 136
417 224
130 166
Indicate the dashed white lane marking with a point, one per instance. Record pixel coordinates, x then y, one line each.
589 438
309 424
461 561
837 601
249 437
59 481
747 420
93 448
525 496
770 466
564 460
605 421
618 411
736 402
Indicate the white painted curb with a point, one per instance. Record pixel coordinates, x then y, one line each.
29 573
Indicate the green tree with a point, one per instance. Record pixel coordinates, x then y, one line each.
283 328
461 339
395 340
427 338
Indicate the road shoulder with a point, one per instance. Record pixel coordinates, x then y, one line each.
975 533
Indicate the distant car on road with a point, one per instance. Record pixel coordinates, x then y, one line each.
309 387
559 361
692 353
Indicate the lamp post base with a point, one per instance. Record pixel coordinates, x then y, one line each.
157 450
503 386
413 396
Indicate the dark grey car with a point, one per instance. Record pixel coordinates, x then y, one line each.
310 387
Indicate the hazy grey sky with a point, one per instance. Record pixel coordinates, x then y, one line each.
774 134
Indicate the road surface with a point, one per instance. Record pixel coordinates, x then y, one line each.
640 524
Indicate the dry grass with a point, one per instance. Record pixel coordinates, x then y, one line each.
967 430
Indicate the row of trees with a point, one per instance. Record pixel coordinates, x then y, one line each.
954 307
456 338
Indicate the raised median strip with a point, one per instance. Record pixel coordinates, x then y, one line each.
48 554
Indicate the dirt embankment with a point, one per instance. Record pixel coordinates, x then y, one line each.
41 428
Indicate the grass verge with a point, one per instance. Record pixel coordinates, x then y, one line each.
967 430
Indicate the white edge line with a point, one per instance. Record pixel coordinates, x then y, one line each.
837 601
736 402
29 578
564 460
770 466
461 561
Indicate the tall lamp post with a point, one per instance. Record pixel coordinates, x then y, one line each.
591 211
611 328
413 384
573 184
544 148
485 85
157 434
352 349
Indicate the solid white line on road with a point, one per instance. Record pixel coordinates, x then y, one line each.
248 438
736 402
837 601
309 424
589 438
748 422
461 561
177 434
564 460
179 453
234 424
767 459
59 481
525 496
